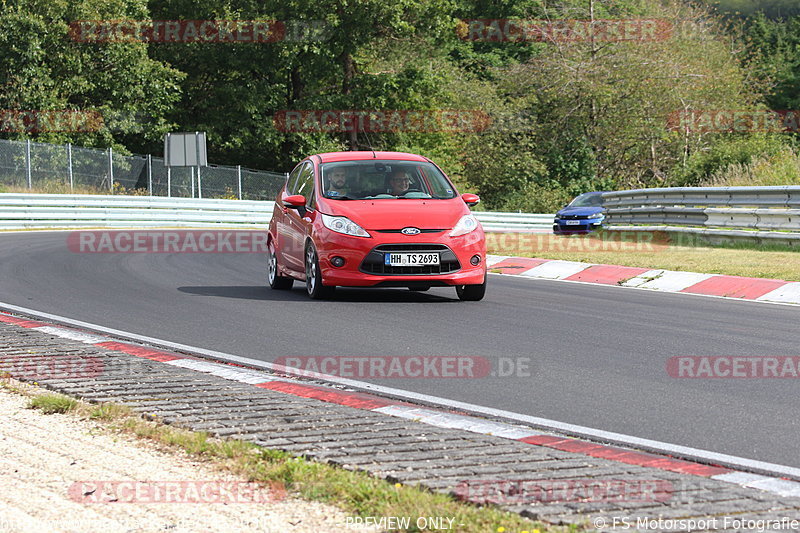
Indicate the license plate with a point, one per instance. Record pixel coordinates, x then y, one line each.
411 259
573 222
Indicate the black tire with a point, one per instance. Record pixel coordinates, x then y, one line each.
471 293
314 287
275 280
419 289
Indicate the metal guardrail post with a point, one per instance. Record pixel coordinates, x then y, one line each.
69 166
197 153
150 174
239 177
28 163
169 182
110 170
192 169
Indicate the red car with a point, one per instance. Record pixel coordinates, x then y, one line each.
375 219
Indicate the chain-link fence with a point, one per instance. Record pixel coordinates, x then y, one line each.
67 168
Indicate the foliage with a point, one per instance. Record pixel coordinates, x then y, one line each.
776 167
49 403
773 47
42 68
565 117
706 165
773 8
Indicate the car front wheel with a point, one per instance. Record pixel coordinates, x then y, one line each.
471 293
314 286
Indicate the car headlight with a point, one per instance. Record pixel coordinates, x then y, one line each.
596 215
343 225
467 224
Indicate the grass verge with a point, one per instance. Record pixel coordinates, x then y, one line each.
356 493
654 251
53 403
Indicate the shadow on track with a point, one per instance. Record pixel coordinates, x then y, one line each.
298 294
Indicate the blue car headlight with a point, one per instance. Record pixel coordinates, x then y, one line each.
596 215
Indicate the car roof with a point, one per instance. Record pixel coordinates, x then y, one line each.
330 157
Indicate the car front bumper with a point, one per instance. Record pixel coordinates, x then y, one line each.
354 251
586 225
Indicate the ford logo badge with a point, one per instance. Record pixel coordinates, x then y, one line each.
410 231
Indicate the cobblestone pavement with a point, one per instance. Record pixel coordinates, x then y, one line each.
63 474
548 484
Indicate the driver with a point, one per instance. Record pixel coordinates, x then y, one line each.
400 182
337 185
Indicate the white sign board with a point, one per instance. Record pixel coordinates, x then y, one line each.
185 149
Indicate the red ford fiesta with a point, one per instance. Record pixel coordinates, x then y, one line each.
375 219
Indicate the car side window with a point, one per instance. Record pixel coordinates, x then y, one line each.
291 183
305 182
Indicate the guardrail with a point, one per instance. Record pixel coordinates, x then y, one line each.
19 211
75 211
762 214
520 222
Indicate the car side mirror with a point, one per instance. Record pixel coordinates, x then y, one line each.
295 201
470 199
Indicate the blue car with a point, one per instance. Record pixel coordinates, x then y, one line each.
584 214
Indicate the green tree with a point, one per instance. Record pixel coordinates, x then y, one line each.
600 110
233 91
774 48
43 68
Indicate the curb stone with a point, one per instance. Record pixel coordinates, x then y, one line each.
736 287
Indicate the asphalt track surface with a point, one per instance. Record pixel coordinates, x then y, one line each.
598 354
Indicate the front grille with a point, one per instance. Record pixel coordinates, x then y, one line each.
401 229
573 228
374 263
411 247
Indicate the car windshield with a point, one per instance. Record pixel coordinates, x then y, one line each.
589 199
378 179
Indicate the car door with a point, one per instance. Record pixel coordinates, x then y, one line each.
298 220
283 233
